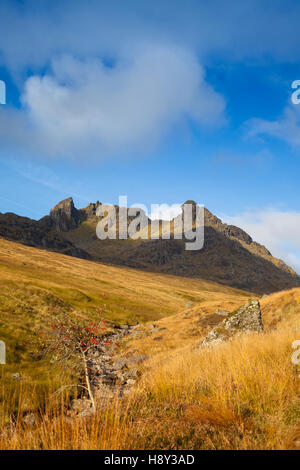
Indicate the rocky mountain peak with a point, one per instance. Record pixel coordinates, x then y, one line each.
189 201
65 215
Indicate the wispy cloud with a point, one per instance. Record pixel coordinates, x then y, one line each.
44 176
286 128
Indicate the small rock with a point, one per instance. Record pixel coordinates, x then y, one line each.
82 406
132 373
29 419
120 364
121 379
221 312
135 334
17 377
105 357
131 382
189 304
155 330
137 359
103 393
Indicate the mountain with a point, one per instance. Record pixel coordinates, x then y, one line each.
41 234
229 255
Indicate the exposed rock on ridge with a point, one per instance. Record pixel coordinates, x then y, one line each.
65 216
40 234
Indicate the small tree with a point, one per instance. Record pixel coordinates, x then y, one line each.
69 342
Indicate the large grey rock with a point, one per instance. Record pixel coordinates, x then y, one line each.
243 320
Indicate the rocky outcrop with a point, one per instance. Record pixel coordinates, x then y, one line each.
156 252
39 234
246 319
65 216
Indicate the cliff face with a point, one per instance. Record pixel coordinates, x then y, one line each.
65 216
229 255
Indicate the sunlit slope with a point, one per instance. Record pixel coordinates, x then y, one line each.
188 327
281 309
35 285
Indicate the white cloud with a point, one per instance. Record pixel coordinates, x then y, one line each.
86 108
279 231
165 211
286 128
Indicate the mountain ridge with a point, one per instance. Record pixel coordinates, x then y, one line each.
229 255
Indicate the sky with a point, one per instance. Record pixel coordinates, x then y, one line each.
162 101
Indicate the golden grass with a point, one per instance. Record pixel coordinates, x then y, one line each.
53 429
281 308
241 395
36 284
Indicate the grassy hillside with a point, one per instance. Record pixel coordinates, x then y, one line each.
244 394
241 395
36 285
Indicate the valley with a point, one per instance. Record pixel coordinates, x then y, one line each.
180 395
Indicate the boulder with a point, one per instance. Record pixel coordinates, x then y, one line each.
245 319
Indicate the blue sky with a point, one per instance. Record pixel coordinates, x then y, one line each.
159 101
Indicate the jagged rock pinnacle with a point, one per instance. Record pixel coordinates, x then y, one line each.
65 215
